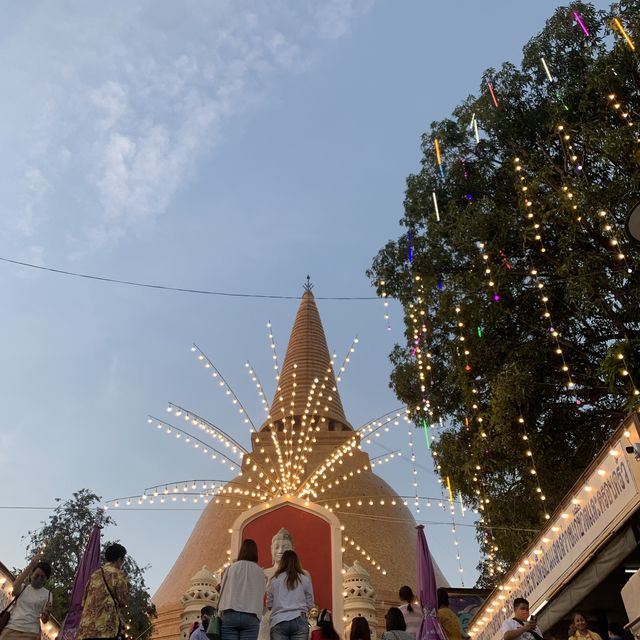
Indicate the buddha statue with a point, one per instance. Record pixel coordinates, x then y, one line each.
280 543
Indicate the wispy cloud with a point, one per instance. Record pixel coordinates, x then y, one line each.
113 105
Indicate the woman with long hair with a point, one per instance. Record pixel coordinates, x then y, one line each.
242 595
325 629
396 627
359 629
410 610
289 597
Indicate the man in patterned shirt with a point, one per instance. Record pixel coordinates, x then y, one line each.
105 598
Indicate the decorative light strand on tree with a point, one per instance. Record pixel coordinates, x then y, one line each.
414 470
617 25
528 202
385 302
528 453
533 471
623 114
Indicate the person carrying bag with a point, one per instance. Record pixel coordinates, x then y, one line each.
105 597
21 618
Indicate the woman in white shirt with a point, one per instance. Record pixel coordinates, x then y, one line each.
410 610
242 595
32 603
289 596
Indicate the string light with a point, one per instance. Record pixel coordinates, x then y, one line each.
351 545
261 393
274 353
347 358
623 114
170 429
385 303
414 471
208 427
223 383
535 275
532 463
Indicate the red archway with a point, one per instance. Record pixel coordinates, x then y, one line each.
312 538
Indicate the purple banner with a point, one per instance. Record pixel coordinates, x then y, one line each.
89 563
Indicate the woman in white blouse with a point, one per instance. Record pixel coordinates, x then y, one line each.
242 595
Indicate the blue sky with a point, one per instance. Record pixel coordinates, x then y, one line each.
229 145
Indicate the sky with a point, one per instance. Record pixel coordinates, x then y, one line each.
236 146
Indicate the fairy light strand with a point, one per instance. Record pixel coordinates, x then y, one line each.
223 383
261 394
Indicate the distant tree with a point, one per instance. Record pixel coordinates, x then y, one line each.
473 307
65 535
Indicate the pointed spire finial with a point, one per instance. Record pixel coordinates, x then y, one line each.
308 286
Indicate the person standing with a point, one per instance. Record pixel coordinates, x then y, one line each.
200 632
105 598
520 624
396 627
242 595
360 629
32 603
615 631
580 628
325 629
449 621
289 597
410 610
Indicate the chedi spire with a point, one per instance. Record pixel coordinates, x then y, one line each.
307 389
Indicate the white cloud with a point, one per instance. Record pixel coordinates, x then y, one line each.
114 105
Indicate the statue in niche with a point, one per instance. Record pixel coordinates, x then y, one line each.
280 543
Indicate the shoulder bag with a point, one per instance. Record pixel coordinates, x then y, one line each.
5 614
215 621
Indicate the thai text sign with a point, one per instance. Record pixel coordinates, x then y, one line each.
560 551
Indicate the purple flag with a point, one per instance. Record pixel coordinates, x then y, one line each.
89 563
430 628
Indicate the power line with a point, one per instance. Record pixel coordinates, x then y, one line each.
148 285
345 513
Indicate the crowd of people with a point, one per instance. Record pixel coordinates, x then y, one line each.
244 590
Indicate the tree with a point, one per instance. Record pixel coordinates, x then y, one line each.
62 540
521 303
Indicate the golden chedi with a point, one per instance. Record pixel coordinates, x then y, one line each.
304 450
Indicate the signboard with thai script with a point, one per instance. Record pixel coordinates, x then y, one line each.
596 508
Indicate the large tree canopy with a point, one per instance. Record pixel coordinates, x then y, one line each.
521 294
